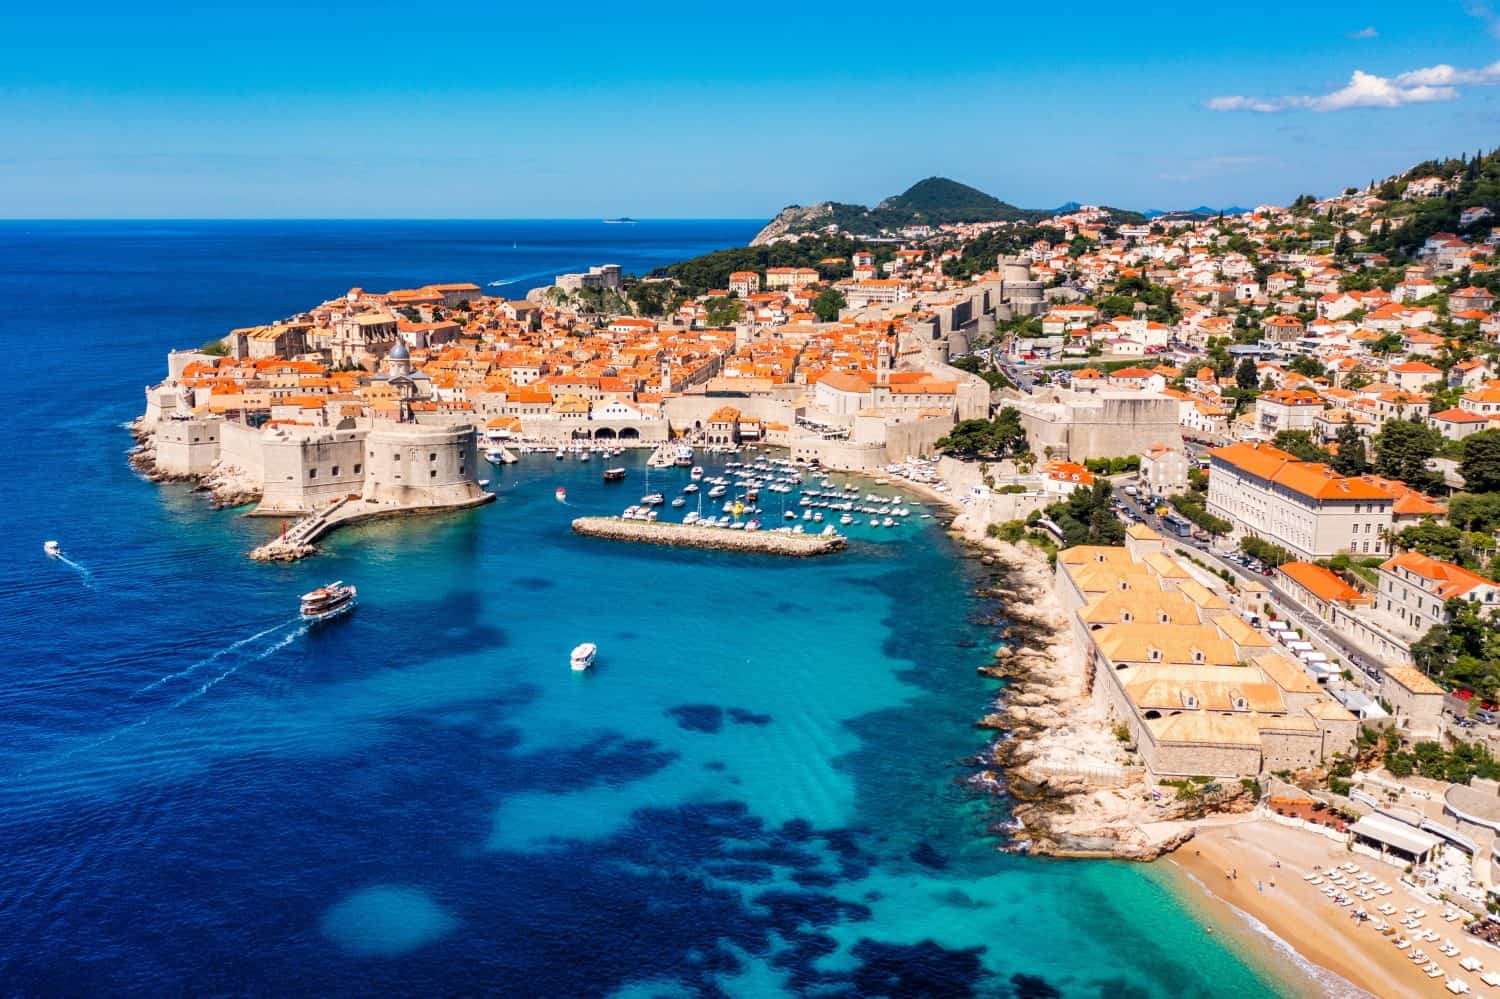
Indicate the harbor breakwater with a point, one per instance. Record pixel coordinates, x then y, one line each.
712 538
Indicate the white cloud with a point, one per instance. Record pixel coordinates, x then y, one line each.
1362 33
1485 13
1366 90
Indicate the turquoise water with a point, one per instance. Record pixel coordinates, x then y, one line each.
757 791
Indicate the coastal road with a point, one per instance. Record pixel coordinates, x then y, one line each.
1365 665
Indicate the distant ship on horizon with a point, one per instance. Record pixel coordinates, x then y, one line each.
622 220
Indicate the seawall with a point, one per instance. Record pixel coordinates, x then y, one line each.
713 538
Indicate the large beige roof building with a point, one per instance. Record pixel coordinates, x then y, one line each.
1201 692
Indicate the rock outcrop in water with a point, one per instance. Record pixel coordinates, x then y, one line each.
224 484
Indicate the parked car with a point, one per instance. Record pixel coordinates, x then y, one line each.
1485 716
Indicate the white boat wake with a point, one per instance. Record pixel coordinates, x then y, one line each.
84 572
214 657
502 282
265 653
188 698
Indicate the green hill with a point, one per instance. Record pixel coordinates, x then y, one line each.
937 200
934 201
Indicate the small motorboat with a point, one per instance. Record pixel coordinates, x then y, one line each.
653 499
561 454
679 502
328 601
51 548
583 656
561 494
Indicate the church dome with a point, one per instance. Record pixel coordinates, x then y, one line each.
399 352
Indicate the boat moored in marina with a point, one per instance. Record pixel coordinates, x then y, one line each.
583 656
328 601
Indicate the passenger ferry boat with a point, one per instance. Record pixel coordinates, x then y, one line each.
328 601
583 656
614 475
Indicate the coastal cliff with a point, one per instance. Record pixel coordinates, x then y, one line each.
794 219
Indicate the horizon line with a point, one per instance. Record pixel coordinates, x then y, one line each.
373 218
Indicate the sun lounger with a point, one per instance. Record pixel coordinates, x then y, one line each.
1402 943
1471 963
1433 971
1457 986
1490 978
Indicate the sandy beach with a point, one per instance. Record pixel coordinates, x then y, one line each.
1323 932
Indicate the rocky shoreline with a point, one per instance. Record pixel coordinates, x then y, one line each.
1072 789
223 484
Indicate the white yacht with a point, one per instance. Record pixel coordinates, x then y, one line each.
328 601
583 656
51 548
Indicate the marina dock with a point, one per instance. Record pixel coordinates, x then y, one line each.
712 538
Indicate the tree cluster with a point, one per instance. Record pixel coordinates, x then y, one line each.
1086 517
1001 437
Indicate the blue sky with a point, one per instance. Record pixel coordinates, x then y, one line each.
311 109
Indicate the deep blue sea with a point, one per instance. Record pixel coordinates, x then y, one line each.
756 792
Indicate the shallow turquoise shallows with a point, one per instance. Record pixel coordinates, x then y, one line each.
757 790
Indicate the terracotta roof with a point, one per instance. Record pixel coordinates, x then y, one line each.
1308 478
1413 679
1322 583
1449 580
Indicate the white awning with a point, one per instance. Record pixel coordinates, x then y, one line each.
1395 834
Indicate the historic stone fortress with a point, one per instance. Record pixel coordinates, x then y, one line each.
304 411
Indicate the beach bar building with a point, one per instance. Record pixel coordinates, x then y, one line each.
1392 841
